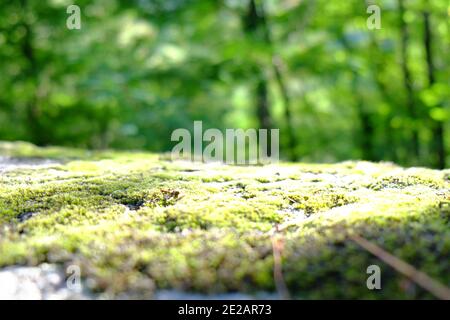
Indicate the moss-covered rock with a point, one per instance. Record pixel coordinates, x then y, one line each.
137 223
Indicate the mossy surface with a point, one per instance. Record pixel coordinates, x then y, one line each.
137 222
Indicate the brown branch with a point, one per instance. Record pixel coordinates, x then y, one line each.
422 279
277 249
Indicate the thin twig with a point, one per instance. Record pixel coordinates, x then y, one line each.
277 248
422 279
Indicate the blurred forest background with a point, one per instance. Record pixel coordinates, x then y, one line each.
139 69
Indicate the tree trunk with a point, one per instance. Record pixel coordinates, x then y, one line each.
252 24
437 126
32 108
377 65
407 81
256 23
365 140
365 119
276 63
263 104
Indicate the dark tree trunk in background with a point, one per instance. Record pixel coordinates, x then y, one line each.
277 65
407 81
365 139
367 130
263 104
256 24
367 133
437 126
35 130
252 23
377 66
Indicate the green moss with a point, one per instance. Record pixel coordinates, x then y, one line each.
320 200
137 222
401 180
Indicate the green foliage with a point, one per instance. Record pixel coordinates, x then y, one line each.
137 70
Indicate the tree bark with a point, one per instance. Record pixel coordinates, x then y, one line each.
437 126
263 104
256 21
31 71
252 23
365 140
276 64
377 64
365 120
407 81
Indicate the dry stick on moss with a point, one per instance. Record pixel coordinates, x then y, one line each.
277 248
422 279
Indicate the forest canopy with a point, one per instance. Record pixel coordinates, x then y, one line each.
137 70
